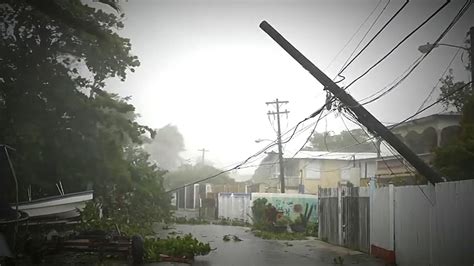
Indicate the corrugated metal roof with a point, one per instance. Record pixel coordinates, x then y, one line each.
325 155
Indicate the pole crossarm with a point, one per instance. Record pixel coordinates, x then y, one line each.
363 116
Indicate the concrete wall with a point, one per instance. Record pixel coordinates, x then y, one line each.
234 206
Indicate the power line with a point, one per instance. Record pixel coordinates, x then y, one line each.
377 34
398 44
409 170
392 84
431 105
439 80
310 135
350 133
368 135
239 165
420 59
353 35
396 124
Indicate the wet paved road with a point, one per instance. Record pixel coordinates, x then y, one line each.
256 251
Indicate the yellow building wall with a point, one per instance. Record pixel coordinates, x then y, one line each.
311 186
330 176
330 173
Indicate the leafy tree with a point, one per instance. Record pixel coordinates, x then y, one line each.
56 56
344 142
452 95
165 147
53 109
456 160
186 174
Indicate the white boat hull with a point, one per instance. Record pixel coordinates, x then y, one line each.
63 207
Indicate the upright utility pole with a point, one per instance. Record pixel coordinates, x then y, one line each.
203 150
363 116
471 53
280 150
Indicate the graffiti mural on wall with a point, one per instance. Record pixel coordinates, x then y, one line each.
292 205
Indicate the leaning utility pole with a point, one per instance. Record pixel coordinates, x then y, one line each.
203 150
363 116
280 150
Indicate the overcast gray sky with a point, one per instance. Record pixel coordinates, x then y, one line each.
208 68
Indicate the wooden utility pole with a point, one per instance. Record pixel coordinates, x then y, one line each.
203 150
362 115
471 53
280 150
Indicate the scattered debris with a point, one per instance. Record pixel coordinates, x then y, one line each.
231 237
338 260
167 227
288 244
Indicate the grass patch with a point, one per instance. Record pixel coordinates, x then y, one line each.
183 220
279 236
232 222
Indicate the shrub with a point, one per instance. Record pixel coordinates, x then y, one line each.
179 247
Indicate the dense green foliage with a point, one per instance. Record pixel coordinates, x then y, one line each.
54 110
184 220
178 247
264 215
456 160
346 141
279 236
452 95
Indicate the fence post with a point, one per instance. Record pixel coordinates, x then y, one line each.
185 195
371 209
339 214
391 213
